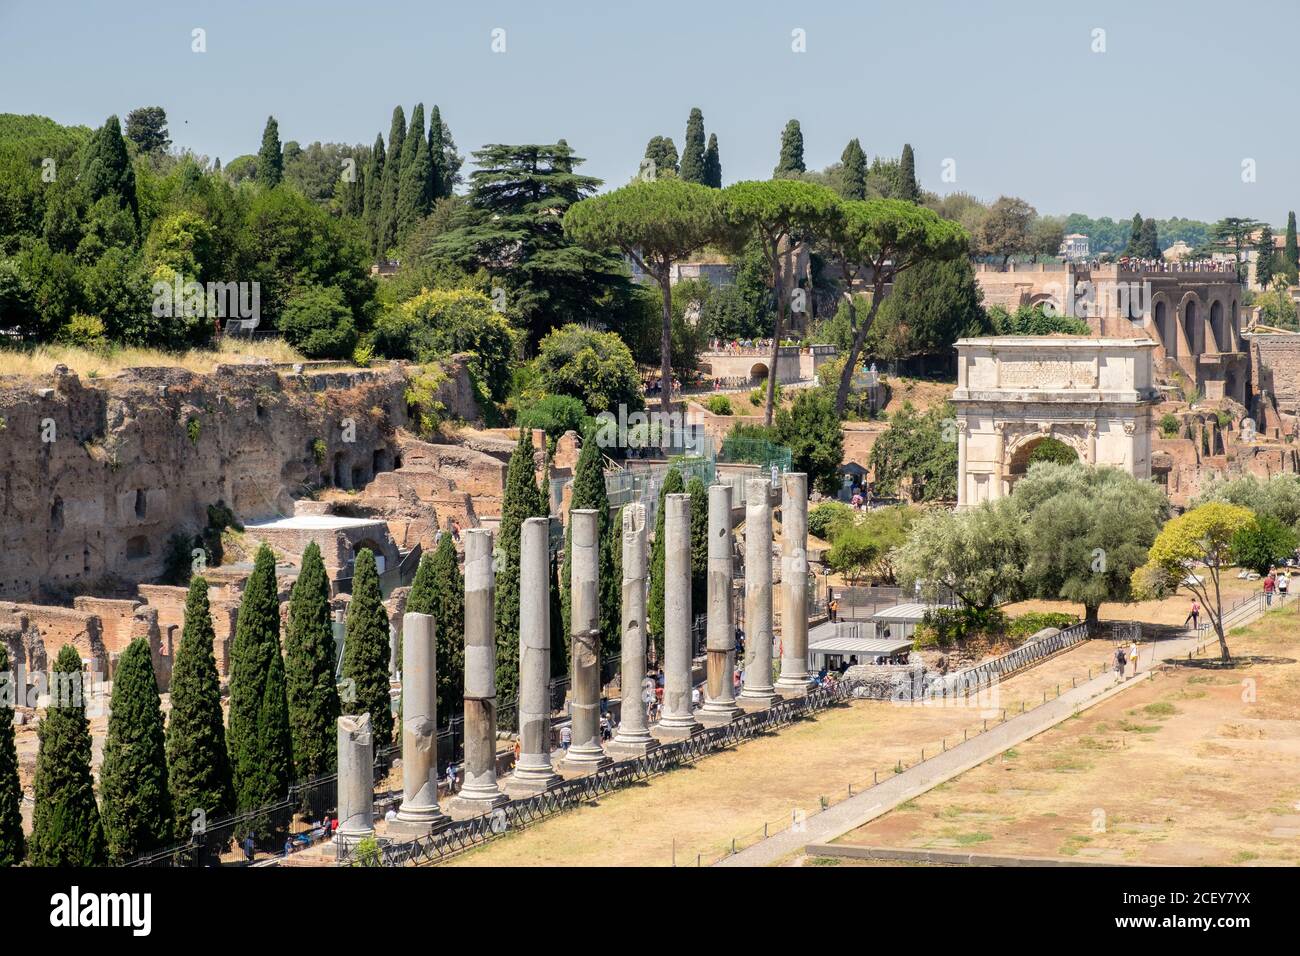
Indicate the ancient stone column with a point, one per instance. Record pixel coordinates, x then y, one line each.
585 751
678 717
533 772
719 695
633 737
480 792
794 681
419 723
356 780
758 692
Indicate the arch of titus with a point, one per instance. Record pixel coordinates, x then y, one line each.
1094 394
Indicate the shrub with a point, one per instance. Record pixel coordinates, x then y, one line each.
556 414
1169 425
1027 625
84 331
318 323
827 519
719 405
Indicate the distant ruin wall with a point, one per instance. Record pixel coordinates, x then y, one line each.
1275 367
96 477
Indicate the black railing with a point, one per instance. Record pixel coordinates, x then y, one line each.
519 814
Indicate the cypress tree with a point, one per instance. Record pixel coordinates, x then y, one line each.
520 501
309 670
1264 256
791 151
270 160
261 758
1291 251
66 828
589 492
366 651
662 151
391 183
1134 236
12 843
672 485
908 187
138 816
699 545
415 197
854 161
439 173
439 589
712 164
198 763
1149 240
107 169
374 191
693 168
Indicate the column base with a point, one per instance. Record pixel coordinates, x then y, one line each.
350 838
422 818
530 785
634 747
676 729
718 715
476 803
752 702
794 687
585 761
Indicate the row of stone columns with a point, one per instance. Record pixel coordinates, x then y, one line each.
533 771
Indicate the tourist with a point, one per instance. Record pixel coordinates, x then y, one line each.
833 608
1270 583
451 779
1193 616
391 815
250 848
1120 662
566 737
1283 585
1133 656
288 845
518 750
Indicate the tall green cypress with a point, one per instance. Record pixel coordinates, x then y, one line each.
1149 240
672 485
520 501
261 757
270 160
712 164
699 545
854 162
414 195
106 167
439 590
198 762
66 827
374 190
12 843
391 183
1291 251
439 173
908 187
1134 235
133 784
1264 256
791 160
693 168
309 670
366 651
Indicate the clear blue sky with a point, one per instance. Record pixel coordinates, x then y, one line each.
1010 90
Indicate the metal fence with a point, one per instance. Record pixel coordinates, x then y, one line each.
519 814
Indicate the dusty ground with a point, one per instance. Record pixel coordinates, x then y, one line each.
921 392
1201 767
698 810
1171 611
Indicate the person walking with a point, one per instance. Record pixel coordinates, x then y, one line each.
566 737
1120 662
1193 616
1284 585
834 609
1133 656
1270 585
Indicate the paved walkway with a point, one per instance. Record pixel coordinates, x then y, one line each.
852 813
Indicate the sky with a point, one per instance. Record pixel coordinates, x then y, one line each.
1173 109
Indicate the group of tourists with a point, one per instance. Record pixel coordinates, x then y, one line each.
1123 656
1278 583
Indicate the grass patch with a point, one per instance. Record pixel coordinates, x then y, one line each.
966 839
1161 708
95 363
1073 844
1244 856
1131 728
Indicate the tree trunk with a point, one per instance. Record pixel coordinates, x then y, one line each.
859 338
666 349
776 336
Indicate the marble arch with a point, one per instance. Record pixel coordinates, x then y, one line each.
1094 394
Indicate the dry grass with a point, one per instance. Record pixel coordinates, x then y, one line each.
1170 611
698 809
103 364
1200 767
